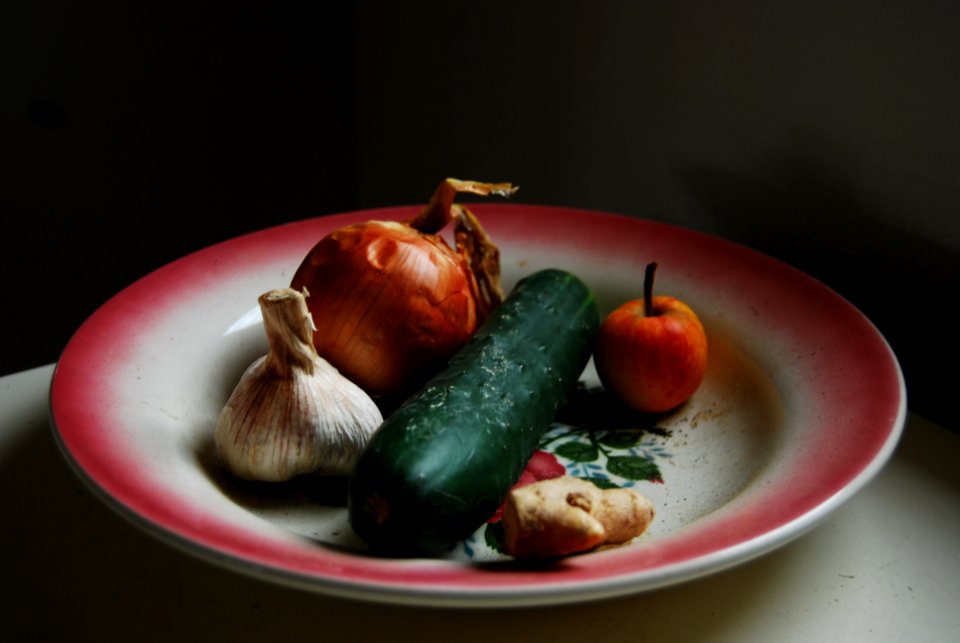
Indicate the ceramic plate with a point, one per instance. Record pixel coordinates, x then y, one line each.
802 404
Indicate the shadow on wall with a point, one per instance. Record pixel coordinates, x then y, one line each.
135 133
808 215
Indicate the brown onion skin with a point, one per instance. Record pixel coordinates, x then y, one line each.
390 304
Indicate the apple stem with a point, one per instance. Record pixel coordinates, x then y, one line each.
648 288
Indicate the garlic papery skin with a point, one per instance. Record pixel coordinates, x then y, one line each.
292 412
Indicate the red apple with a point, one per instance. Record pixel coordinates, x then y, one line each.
651 353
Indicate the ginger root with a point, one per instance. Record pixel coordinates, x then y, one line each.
567 515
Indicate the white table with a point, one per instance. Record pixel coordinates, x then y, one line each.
885 567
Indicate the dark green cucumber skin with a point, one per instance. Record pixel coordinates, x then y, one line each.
442 463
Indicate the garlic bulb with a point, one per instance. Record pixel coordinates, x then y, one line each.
292 412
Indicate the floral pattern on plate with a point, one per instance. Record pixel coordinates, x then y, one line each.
595 439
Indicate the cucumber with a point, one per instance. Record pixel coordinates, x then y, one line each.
443 462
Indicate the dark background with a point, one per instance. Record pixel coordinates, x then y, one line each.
825 134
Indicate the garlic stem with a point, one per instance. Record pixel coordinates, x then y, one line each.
289 329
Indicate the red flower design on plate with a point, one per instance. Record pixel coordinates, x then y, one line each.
541 466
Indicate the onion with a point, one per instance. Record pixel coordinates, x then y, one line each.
392 301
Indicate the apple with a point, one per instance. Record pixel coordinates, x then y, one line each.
651 353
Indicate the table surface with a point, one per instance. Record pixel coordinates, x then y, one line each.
883 567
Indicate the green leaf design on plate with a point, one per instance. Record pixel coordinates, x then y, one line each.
621 439
578 451
634 467
493 536
602 483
